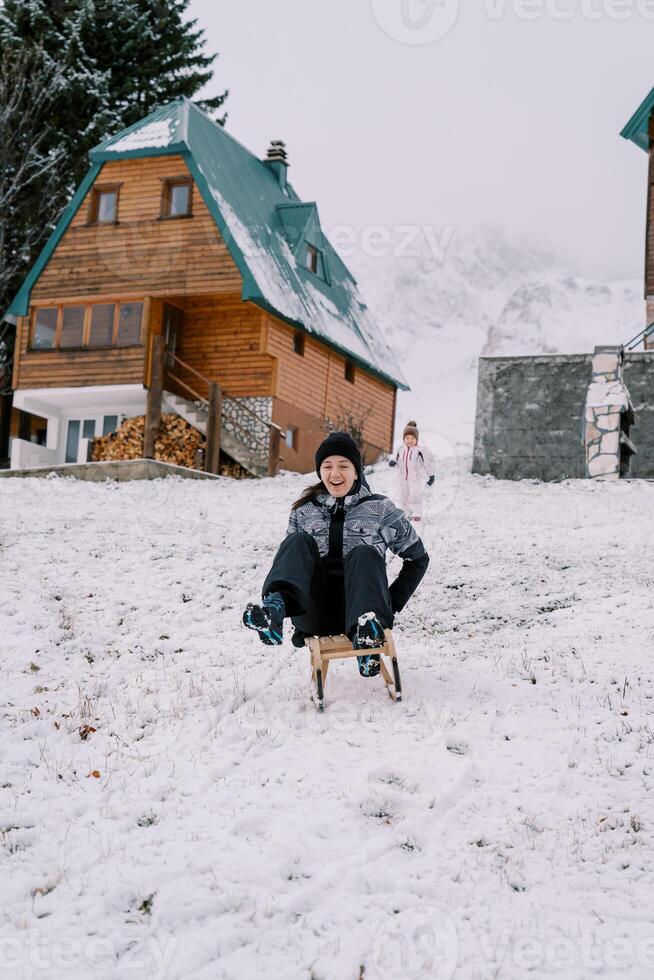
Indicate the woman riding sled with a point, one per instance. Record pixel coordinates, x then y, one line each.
329 574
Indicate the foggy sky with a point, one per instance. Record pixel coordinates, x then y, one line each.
511 117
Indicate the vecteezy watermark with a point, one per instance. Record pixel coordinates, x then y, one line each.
431 719
34 954
569 9
399 241
585 951
416 21
427 21
419 943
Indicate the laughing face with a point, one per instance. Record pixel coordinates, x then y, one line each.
338 474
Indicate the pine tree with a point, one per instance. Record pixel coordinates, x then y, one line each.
103 65
119 59
31 169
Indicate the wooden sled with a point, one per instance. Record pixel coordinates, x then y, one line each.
322 649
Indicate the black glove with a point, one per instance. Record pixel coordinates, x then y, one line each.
430 481
392 462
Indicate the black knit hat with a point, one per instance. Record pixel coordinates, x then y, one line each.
340 444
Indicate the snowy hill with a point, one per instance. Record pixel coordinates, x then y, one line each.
482 294
172 806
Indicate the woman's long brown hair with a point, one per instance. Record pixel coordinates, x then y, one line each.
310 493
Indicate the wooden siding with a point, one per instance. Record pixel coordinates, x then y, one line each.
68 369
315 383
77 368
141 254
21 323
222 338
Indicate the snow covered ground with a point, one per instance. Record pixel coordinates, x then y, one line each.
172 806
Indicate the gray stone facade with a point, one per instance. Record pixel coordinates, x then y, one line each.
239 422
530 417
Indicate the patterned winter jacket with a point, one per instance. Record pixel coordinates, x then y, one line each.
367 518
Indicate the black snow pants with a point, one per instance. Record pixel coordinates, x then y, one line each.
324 597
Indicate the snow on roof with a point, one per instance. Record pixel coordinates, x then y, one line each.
158 133
287 287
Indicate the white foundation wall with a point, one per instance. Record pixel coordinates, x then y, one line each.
24 455
61 405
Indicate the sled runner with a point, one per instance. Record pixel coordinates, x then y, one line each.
322 649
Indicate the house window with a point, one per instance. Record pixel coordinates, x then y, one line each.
129 324
45 328
176 198
83 327
291 436
298 343
101 331
349 372
104 205
72 326
109 424
312 258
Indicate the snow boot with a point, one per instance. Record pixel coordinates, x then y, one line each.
368 635
267 619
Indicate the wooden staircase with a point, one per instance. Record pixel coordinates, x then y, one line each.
227 423
243 447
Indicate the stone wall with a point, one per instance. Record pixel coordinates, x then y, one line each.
530 415
251 432
638 371
609 416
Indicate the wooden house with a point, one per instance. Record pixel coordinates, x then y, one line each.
187 276
640 130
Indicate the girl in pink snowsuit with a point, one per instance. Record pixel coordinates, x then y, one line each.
415 471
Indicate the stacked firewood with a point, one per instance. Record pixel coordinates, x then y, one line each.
176 442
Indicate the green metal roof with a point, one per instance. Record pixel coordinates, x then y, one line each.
636 129
265 226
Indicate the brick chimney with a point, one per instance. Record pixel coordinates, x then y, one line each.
277 162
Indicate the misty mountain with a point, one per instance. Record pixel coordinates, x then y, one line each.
483 295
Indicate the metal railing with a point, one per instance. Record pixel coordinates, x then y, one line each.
639 338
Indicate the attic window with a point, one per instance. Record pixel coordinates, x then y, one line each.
349 372
176 197
103 209
298 343
313 256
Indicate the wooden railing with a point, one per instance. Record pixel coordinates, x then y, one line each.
218 405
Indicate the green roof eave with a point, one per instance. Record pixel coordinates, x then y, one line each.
104 156
21 302
260 301
637 129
